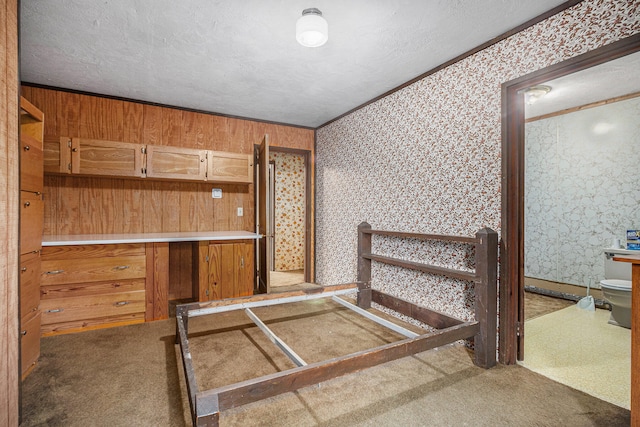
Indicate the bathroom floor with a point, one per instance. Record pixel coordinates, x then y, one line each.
578 348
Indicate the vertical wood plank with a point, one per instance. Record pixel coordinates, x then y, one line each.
153 207
68 206
133 206
9 341
50 197
68 114
188 206
171 127
152 125
171 216
220 133
161 281
133 125
149 286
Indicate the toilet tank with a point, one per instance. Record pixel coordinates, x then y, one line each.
617 269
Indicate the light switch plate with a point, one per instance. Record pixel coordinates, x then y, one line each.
240 212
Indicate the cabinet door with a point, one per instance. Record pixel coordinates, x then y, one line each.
29 284
109 158
230 167
31 164
57 155
29 343
230 270
244 257
176 163
31 218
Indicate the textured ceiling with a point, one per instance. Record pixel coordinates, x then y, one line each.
606 81
241 58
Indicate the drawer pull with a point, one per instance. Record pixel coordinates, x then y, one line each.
55 310
121 303
27 148
27 204
121 267
54 272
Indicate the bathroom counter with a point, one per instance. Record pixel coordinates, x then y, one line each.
635 336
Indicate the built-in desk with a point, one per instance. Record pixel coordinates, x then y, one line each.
100 280
635 338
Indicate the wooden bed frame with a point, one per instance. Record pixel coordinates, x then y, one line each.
206 405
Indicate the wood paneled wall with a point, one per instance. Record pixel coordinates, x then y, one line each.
80 205
9 341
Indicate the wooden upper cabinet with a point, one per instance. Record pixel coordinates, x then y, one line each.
82 156
110 158
176 163
230 167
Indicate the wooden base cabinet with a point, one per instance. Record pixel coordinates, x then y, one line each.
92 286
31 225
224 269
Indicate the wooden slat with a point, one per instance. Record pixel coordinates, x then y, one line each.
422 236
448 272
430 317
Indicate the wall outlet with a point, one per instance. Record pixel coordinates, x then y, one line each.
216 193
240 212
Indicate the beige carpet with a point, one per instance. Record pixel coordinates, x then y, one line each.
580 349
130 376
285 278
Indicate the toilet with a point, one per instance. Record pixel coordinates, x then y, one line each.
616 287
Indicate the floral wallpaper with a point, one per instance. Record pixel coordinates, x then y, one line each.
427 158
581 190
290 211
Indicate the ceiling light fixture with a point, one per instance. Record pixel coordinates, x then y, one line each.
534 93
312 29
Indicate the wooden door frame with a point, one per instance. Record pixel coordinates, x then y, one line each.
512 211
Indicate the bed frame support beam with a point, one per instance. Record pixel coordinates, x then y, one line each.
379 320
275 339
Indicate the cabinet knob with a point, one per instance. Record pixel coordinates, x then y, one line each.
27 204
23 333
23 269
201 160
75 150
27 148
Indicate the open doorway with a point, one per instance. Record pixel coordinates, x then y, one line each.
283 216
579 200
287 185
513 325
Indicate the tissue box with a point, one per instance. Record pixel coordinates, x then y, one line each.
633 240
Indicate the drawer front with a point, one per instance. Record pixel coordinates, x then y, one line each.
65 271
29 284
31 178
30 342
94 288
69 309
50 253
31 222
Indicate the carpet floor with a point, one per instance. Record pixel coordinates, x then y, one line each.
132 376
